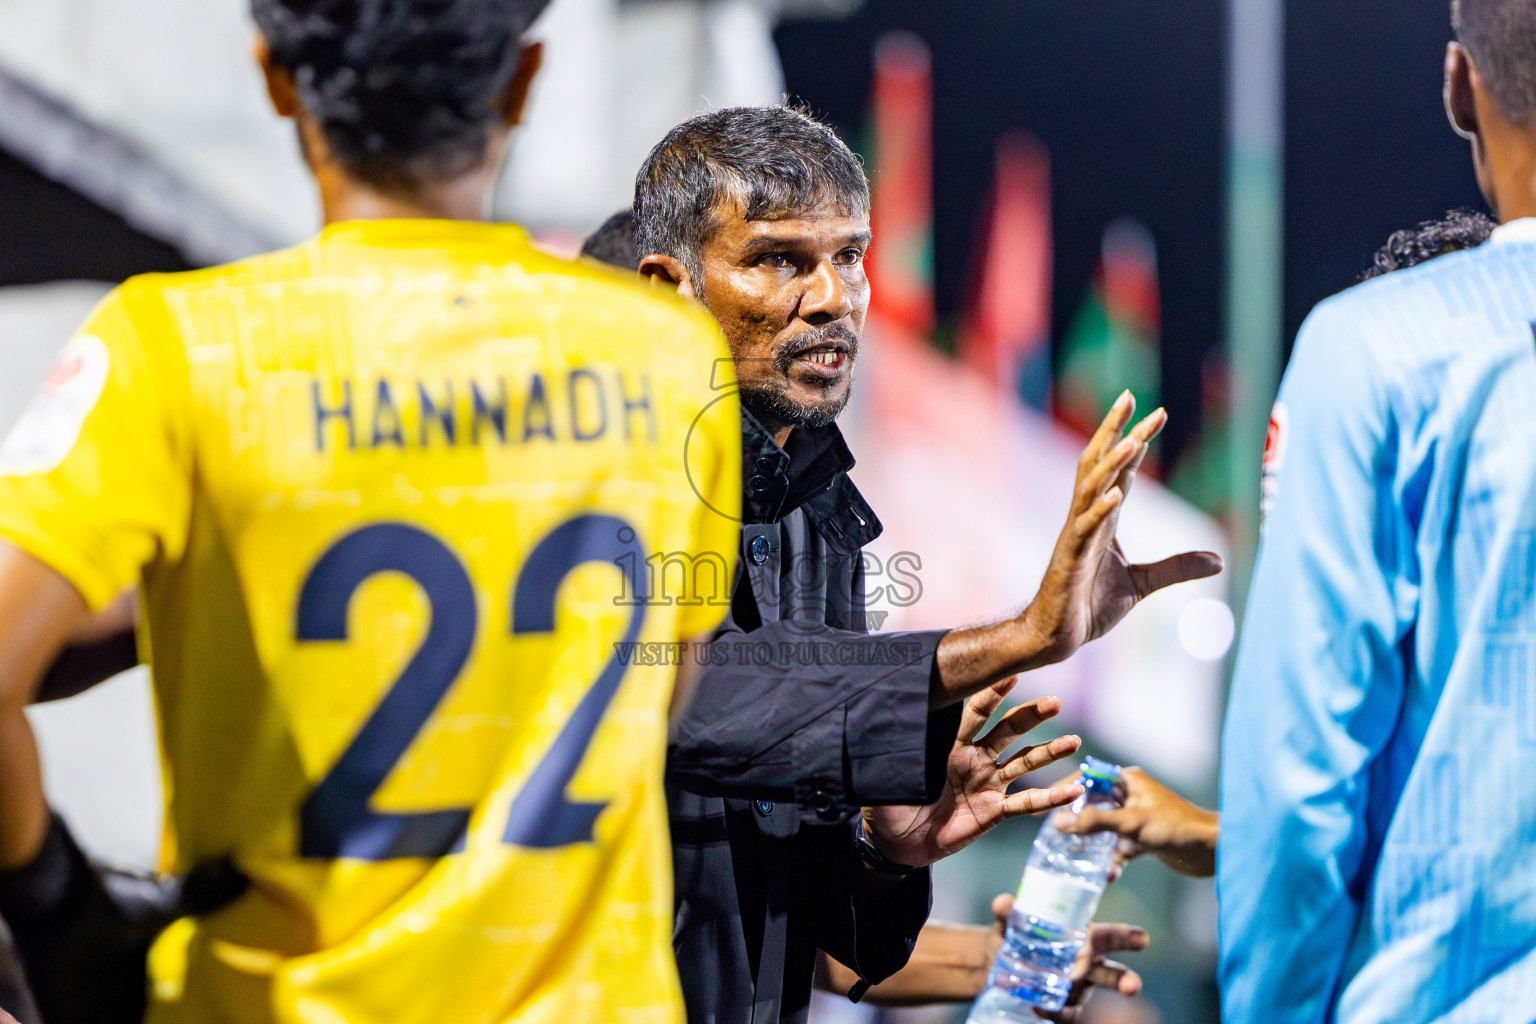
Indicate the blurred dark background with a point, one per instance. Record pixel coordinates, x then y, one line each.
1368 149
1130 99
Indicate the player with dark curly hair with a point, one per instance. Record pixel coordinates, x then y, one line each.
1457 230
378 493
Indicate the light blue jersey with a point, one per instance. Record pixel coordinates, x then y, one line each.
1378 799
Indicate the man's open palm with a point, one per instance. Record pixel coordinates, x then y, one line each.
1090 585
976 796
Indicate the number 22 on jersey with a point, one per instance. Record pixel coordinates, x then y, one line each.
337 819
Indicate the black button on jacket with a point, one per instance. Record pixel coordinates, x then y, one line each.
800 718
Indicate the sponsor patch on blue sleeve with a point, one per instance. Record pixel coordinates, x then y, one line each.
1274 458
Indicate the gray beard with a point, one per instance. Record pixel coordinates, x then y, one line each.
769 403
772 406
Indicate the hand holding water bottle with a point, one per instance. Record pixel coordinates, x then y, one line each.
1056 902
1152 819
1093 967
951 962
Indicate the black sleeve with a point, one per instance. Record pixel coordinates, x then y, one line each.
82 666
865 921
835 719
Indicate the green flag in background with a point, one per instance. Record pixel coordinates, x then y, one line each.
1203 474
1112 342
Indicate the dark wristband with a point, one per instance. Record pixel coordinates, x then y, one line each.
875 859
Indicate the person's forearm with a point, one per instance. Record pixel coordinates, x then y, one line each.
971 659
949 965
39 612
23 807
1195 852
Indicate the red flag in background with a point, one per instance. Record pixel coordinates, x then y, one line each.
900 262
1130 277
1007 330
1113 342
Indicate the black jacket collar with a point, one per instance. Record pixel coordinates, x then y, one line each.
811 470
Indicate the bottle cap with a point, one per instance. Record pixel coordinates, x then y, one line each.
1103 771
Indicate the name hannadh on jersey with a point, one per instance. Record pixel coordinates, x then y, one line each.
583 405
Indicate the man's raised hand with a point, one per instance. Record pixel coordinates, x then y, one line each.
1089 585
976 797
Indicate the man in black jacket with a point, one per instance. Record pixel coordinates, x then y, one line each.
762 215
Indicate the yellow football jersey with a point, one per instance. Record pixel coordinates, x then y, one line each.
397 499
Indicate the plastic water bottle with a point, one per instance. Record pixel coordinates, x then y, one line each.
1057 899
